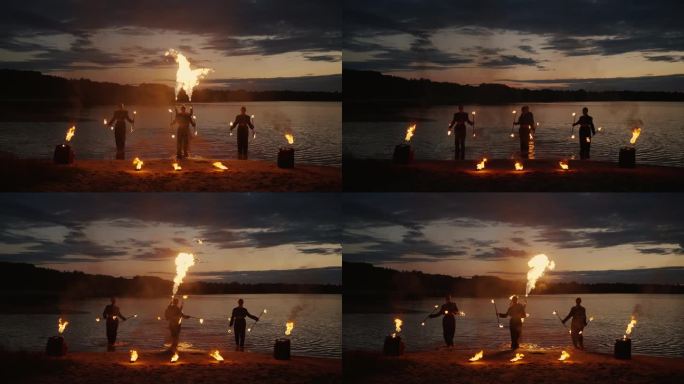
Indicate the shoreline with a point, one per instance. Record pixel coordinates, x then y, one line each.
157 175
372 175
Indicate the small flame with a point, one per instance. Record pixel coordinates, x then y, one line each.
563 165
70 133
514 111
201 321
512 135
477 356
134 355
174 358
630 326
186 79
573 114
61 325
409 132
97 319
290 138
170 110
104 121
564 356
288 328
176 167
481 164
219 165
183 262
518 166
397 325
600 129
158 317
422 324
538 264
446 312
518 356
185 297
462 314
216 355
138 163
500 325
588 139
635 135
492 301
591 318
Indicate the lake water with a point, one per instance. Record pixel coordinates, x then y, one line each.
659 331
317 127
661 141
317 330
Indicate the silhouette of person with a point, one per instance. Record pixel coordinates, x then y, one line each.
174 315
239 323
517 313
243 122
526 123
449 310
111 315
183 120
459 123
579 321
119 120
586 131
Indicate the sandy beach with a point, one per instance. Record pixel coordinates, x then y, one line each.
537 366
157 175
155 367
499 176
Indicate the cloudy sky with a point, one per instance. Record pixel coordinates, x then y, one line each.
591 44
591 237
124 41
246 237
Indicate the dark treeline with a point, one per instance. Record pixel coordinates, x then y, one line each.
361 280
19 280
29 88
362 87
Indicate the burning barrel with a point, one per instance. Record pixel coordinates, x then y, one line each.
286 154
627 157
623 349
56 346
281 349
394 346
63 154
403 154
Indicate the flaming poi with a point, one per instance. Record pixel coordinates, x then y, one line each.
175 357
219 165
290 138
477 356
635 135
138 163
61 325
538 264
134 356
183 262
216 355
186 78
289 326
518 356
409 132
481 165
564 356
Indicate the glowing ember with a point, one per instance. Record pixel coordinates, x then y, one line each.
61 325
481 164
288 328
477 356
216 355
72 131
176 167
138 163
174 358
183 262
563 165
518 166
518 356
564 356
134 356
409 132
186 79
290 138
635 135
219 165
630 327
538 264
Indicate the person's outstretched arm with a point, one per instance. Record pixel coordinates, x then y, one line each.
440 313
128 118
232 318
118 313
252 316
235 123
104 313
453 121
572 311
505 315
591 124
111 121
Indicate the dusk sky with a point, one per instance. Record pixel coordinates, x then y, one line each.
591 237
590 44
246 237
124 41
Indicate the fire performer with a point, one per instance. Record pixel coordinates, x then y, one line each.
243 122
449 310
579 321
526 123
586 131
517 313
183 120
459 123
174 315
112 314
118 120
239 323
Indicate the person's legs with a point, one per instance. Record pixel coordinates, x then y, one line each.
462 144
179 145
186 145
175 336
524 144
111 335
449 331
243 142
120 139
516 331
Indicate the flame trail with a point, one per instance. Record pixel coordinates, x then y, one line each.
288 328
538 264
70 133
635 135
175 357
216 355
477 356
186 79
290 138
134 356
564 356
61 325
219 165
183 262
518 356
409 132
